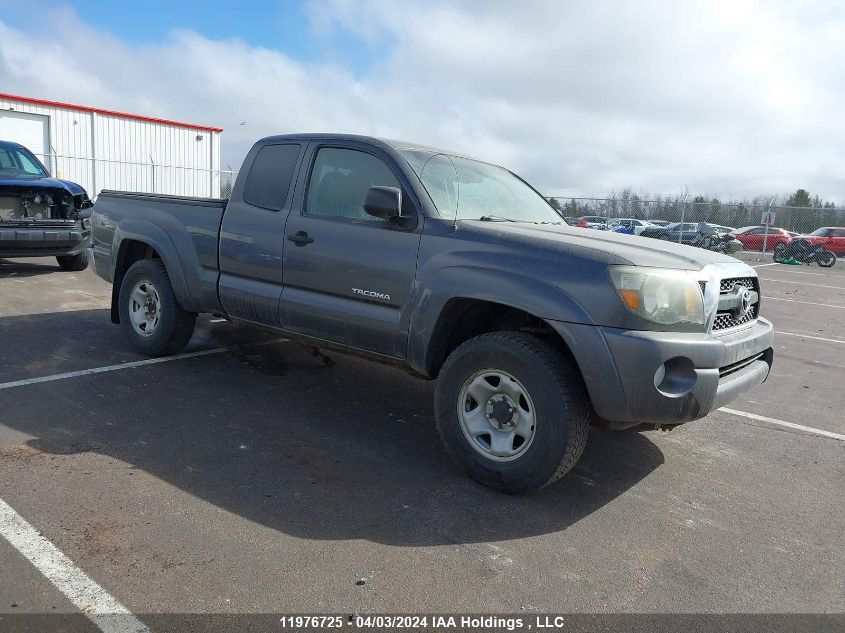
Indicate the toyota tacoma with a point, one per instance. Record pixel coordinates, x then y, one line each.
456 270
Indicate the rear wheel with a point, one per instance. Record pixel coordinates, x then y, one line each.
826 259
150 315
73 262
511 411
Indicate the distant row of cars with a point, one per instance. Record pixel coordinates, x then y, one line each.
753 238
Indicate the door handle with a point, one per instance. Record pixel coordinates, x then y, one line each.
300 238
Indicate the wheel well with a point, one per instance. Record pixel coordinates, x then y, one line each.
463 319
130 252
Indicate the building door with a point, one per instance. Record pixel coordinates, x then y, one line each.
30 130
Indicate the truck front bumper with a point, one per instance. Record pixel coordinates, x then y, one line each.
667 377
40 239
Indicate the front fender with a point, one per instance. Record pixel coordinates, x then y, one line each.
530 294
176 250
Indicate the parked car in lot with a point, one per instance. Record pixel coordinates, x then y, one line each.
631 224
721 229
830 238
532 328
40 215
685 233
752 238
592 222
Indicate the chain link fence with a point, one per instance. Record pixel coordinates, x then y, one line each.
144 177
745 220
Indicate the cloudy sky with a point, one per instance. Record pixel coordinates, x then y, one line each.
729 98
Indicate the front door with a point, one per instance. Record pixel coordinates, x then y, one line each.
349 276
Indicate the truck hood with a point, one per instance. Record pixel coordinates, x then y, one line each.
28 184
606 246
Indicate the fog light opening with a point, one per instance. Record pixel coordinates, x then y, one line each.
676 377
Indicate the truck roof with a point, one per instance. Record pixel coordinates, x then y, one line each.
374 140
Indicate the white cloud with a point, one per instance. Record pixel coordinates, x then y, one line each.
729 98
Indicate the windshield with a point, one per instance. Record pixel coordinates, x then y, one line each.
471 190
821 232
16 161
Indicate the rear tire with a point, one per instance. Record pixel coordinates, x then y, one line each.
495 386
73 263
150 315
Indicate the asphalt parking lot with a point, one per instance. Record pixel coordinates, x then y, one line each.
255 479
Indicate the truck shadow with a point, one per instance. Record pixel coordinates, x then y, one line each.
272 434
37 266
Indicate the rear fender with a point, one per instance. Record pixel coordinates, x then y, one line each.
175 249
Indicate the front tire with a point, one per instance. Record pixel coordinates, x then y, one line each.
150 315
73 263
512 411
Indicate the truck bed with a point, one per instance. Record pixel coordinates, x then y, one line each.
185 225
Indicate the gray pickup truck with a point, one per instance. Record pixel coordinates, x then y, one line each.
454 269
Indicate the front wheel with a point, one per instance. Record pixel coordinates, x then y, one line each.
826 259
73 263
780 252
150 315
512 411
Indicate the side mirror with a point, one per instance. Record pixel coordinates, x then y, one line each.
383 202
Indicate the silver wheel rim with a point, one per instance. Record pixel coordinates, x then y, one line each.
496 415
144 308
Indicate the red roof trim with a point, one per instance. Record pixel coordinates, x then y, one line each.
125 115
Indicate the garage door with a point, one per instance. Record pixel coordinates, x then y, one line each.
30 130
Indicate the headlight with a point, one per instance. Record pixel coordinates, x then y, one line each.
660 295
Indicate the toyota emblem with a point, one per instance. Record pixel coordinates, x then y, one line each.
746 302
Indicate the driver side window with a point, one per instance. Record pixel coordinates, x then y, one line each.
339 182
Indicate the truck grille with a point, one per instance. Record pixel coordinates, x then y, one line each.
726 285
725 319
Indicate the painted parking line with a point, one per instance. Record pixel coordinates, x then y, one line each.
802 283
789 425
764 265
809 303
133 364
818 338
788 269
86 595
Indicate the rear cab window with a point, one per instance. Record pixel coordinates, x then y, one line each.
270 175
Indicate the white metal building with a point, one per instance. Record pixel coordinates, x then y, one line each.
103 149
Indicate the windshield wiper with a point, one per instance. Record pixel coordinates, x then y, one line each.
495 218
